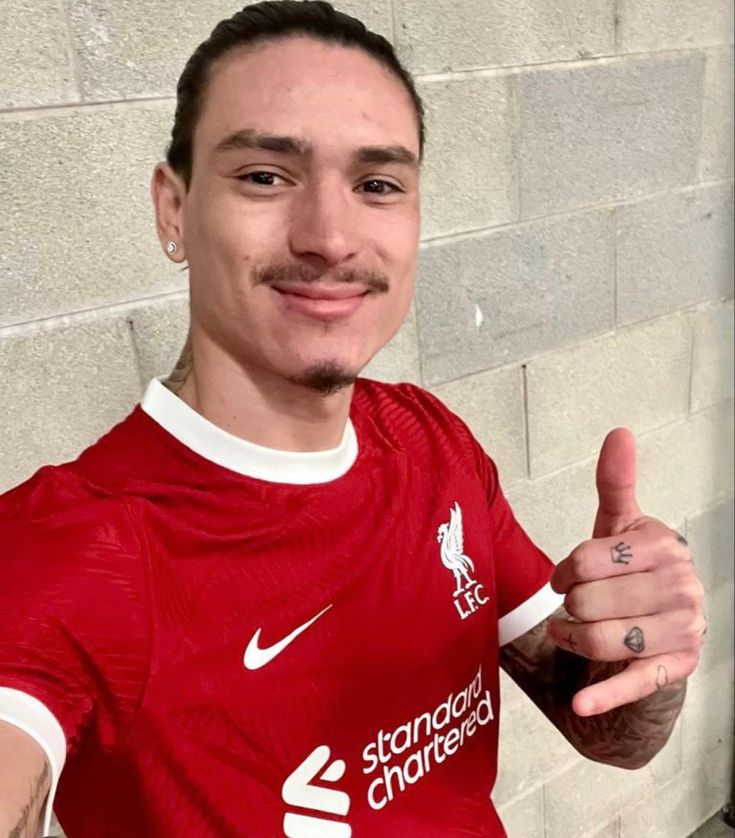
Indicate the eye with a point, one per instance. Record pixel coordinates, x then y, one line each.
260 178
376 186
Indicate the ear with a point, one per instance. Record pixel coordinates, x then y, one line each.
168 194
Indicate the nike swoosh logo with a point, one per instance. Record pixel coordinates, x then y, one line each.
255 656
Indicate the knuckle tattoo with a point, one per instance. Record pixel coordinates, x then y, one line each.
635 641
621 553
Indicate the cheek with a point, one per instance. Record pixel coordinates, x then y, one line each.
228 230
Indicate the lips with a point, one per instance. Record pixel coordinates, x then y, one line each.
323 292
321 302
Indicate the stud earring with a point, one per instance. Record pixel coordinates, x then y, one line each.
171 248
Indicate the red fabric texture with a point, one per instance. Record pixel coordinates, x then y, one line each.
132 580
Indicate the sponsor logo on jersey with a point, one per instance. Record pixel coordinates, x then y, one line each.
396 758
403 756
256 656
298 790
469 594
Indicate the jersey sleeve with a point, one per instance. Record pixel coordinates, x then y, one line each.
522 570
73 618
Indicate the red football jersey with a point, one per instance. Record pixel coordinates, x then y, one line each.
210 638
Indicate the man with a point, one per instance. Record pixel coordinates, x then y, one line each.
273 600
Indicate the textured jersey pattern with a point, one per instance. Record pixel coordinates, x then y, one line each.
134 579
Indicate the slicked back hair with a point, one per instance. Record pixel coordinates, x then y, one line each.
269 21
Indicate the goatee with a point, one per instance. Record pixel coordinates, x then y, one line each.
326 378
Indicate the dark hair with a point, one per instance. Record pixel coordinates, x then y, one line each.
269 21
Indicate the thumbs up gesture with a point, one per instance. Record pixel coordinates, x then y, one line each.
631 590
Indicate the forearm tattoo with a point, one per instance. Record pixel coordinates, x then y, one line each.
28 822
627 736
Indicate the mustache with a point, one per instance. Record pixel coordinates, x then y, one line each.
274 274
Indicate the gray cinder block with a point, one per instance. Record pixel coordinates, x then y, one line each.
674 251
717 115
637 377
36 67
591 793
61 388
469 178
711 536
491 403
487 300
496 33
713 364
608 131
139 47
77 230
656 24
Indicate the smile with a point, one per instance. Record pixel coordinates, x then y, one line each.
321 303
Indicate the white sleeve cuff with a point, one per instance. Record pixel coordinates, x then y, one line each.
528 614
34 718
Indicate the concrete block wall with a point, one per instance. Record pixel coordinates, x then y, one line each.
576 273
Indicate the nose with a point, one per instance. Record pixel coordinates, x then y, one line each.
323 230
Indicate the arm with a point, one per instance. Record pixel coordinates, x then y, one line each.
612 676
627 736
24 783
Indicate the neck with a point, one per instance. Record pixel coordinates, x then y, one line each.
262 407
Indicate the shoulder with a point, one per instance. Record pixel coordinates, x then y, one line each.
75 603
402 401
413 418
56 526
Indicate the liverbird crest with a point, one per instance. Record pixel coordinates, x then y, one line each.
453 557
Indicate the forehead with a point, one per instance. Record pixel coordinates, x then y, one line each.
331 95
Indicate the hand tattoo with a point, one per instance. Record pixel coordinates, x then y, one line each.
627 736
634 640
621 553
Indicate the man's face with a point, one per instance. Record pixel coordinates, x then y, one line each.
301 224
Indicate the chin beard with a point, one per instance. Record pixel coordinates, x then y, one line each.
326 378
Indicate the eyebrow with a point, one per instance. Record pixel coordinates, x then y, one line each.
295 146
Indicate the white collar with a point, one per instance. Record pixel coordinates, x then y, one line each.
217 445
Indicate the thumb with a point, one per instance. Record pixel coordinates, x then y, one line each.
616 474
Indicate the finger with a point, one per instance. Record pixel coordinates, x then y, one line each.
640 637
634 551
616 483
670 588
638 680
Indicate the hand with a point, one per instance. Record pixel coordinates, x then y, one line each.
631 590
